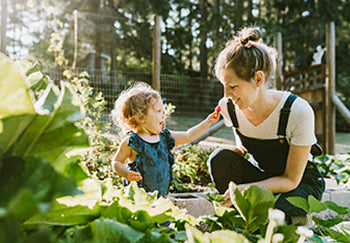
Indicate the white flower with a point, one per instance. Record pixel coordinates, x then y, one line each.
304 232
277 215
277 238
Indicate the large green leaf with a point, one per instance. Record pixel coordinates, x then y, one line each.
15 99
315 205
107 230
24 205
338 236
64 216
52 135
16 104
300 203
35 175
327 222
13 129
338 209
45 129
196 236
91 194
260 200
140 220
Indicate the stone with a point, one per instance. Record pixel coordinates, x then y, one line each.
195 203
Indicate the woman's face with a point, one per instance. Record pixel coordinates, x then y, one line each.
242 92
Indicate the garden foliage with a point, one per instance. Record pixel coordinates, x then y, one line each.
47 195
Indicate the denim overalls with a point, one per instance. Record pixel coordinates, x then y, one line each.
154 161
271 154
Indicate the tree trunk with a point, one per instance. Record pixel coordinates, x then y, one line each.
3 26
250 10
203 36
238 10
98 50
217 20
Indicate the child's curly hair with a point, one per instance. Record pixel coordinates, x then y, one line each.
132 105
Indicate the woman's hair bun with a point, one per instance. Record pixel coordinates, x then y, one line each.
249 34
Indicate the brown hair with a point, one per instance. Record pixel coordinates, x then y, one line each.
132 105
246 54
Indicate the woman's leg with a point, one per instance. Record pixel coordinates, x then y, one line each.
225 165
312 184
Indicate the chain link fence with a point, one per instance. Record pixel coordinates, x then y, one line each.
192 96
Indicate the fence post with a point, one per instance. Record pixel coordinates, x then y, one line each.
3 26
330 89
279 61
156 54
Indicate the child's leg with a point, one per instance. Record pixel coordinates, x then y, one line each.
225 165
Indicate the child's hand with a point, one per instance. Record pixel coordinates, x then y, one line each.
214 117
133 176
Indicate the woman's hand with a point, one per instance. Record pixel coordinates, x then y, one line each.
133 176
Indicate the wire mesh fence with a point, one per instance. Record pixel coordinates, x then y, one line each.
192 96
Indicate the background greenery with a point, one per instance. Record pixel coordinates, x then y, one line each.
193 32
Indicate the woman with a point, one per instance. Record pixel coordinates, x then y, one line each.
275 128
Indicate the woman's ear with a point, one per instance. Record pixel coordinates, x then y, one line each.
259 78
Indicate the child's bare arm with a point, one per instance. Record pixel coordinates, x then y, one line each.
194 132
118 163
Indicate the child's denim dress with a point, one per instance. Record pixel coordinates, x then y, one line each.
154 161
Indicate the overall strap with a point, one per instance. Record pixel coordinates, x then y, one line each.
284 115
232 112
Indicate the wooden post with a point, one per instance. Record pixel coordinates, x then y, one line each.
279 61
3 26
343 110
156 53
75 14
330 89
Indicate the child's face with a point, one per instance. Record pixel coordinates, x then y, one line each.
154 120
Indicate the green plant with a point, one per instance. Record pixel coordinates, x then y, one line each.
104 213
190 169
37 138
335 167
103 144
330 227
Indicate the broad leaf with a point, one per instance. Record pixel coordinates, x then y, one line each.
51 136
328 222
107 230
336 208
300 203
315 205
338 236
196 236
15 99
66 216
240 202
35 175
91 194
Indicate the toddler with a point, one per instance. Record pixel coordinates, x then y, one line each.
147 145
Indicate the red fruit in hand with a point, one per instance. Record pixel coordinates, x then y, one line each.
217 110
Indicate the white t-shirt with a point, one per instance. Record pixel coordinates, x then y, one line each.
300 127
